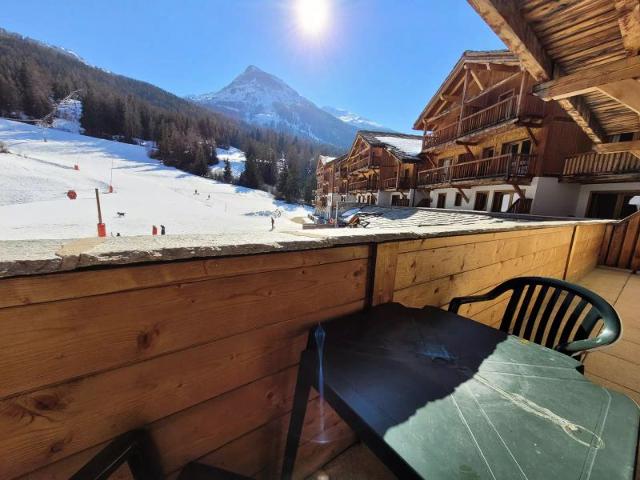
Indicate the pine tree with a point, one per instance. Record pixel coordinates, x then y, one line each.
227 176
250 178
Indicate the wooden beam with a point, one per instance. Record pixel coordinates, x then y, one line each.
626 92
471 154
534 140
476 79
629 22
450 98
519 191
465 143
618 147
505 20
588 80
464 195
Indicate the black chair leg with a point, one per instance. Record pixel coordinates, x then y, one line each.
306 371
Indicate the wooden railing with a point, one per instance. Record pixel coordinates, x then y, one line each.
621 244
363 185
390 183
506 166
494 114
591 163
442 135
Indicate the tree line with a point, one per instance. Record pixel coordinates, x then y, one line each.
33 76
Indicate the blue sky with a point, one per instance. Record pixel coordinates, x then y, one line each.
380 58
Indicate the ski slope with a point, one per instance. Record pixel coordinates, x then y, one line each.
236 161
36 176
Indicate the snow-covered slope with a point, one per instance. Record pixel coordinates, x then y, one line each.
358 121
236 161
260 98
36 176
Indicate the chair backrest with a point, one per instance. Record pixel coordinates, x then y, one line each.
558 314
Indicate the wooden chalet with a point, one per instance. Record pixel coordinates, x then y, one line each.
583 56
381 167
489 143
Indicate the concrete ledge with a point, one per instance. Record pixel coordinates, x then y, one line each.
32 257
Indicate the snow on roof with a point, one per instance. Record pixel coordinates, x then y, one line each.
403 146
324 159
410 146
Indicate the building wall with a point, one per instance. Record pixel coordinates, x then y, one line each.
586 190
529 191
204 353
555 198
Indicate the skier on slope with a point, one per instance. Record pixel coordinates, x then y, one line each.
273 223
162 230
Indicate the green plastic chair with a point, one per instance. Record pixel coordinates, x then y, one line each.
526 305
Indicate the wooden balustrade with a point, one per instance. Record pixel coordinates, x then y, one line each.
363 185
591 163
390 183
506 166
621 244
442 135
494 114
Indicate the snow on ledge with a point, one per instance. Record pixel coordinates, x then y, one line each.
32 257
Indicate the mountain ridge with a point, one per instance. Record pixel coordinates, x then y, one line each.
261 98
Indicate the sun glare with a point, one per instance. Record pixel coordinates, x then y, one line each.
313 16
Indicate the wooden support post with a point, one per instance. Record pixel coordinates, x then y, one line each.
534 140
519 191
464 195
386 263
471 154
476 79
523 82
464 94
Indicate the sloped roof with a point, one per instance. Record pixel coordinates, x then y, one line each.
502 57
404 147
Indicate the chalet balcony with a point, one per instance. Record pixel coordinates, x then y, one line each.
487 117
594 167
393 183
502 167
366 185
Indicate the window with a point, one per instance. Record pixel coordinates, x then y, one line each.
458 200
611 205
481 201
521 146
502 201
488 152
442 200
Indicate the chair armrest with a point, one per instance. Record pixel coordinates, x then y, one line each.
455 303
608 336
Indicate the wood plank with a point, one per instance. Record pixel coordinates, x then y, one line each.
615 246
588 79
618 147
439 292
629 21
45 288
630 243
606 241
194 432
463 239
505 20
626 92
50 424
50 343
427 265
385 272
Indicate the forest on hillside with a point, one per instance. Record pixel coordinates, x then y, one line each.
33 76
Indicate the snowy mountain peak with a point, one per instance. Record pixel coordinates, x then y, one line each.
358 121
260 98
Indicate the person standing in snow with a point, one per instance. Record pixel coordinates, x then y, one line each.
162 230
273 223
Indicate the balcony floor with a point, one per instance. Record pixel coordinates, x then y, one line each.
617 368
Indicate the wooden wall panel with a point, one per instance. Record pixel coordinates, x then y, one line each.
436 275
204 353
584 253
202 360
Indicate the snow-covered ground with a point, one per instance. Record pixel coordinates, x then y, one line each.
36 176
236 161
